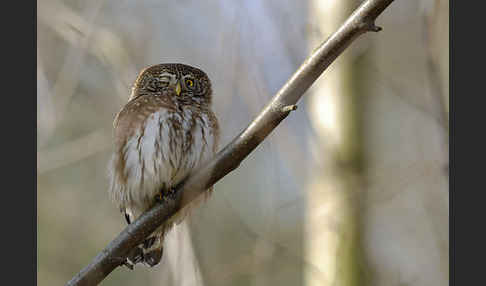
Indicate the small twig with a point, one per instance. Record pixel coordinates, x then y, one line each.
289 108
228 159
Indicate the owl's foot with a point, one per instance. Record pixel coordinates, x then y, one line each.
134 256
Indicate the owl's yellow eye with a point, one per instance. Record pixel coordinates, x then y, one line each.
189 82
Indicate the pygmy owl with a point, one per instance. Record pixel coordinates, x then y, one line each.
164 132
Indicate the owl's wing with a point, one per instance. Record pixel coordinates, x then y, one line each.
214 131
126 124
135 112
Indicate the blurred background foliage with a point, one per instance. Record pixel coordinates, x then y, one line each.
351 189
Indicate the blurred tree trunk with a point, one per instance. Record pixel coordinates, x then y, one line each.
337 114
436 33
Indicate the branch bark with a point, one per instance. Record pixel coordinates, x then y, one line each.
361 21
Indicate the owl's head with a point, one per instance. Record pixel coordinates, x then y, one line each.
184 83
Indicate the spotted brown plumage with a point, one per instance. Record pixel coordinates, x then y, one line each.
164 132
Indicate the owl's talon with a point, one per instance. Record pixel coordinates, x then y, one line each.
134 256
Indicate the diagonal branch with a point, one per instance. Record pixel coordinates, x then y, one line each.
228 159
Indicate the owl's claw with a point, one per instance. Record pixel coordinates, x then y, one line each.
134 256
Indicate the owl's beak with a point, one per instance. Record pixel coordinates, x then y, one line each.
178 88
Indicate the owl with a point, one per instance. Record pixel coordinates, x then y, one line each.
165 131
